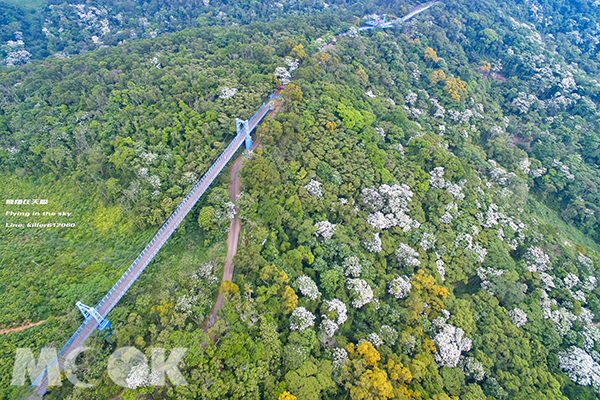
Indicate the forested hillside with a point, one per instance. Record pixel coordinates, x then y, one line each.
418 222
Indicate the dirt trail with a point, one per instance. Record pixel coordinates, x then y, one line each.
232 237
235 226
25 325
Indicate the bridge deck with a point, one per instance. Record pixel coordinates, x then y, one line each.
141 262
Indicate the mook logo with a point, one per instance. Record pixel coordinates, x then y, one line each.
127 367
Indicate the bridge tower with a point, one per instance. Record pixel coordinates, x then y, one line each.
240 125
91 312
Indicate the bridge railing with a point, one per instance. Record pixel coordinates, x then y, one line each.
235 143
182 204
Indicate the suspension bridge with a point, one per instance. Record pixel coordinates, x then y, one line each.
95 317
380 21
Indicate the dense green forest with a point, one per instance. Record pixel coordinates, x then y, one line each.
418 222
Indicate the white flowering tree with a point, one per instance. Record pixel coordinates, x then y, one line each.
537 260
140 376
400 287
308 287
314 188
376 245
361 292
325 229
518 317
227 93
407 256
472 368
388 207
450 343
352 267
301 319
336 310
580 367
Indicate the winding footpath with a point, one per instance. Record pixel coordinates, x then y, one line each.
233 238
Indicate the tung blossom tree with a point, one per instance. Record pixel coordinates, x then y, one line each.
580 367
400 287
518 317
308 287
361 292
325 229
301 319
407 256
450 344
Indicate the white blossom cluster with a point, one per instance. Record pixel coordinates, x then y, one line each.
407 256
480 252
325 229
352 32
525 166
411 97
229 210
547 280
339 308
447 218
440 112
585 262
338 358
523 102
590 332
537 260
571 280
563 320
564 169
499 175
328 329
185 303
580 367
436 179
352 266
283 75
189 177
449 344
154 181
361 291
17 56
485 274
374 339
388 206
308 287
518 317
441 269
206 271
427 241
400 287
370 94
148 158
536 173
314 188
227 93
374 246
388 334
292 63
301 319
140 376
472 368
399 148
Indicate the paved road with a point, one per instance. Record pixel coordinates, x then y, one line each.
119 290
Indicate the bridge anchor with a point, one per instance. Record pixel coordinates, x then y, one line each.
91 312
